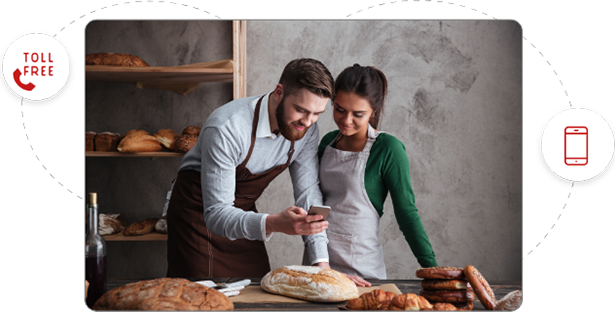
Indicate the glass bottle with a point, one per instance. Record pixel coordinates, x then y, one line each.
95 256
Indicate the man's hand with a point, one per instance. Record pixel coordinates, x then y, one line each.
295 221
358 281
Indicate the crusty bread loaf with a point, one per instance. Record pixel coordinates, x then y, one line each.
167 138
376 299
114 59
138 141
109 224
185 142
141 227
163 294
89 141
310 283
511 302
194 130
106 141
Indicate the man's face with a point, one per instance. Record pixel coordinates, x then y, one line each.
297 112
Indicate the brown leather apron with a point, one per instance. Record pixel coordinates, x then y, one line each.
192 250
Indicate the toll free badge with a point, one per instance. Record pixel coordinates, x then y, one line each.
35 67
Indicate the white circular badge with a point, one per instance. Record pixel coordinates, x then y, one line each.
35 66
578 144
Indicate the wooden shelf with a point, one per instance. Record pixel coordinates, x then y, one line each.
139 238
144 154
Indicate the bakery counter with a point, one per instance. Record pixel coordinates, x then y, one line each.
500 289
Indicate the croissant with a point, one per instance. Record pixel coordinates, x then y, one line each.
376 299
410 301
444 306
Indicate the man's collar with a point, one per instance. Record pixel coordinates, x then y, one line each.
263 129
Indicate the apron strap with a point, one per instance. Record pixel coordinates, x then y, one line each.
254 126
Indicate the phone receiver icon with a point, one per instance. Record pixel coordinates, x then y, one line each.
16 76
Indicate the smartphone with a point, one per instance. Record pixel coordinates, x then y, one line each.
320 210
576 146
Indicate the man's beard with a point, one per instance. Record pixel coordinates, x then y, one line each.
286 128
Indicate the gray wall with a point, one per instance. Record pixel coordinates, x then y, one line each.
454 101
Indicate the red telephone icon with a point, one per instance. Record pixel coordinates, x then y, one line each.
27 87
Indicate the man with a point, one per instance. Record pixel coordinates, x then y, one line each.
214 227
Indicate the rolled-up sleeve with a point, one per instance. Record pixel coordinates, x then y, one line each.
306 188
220 154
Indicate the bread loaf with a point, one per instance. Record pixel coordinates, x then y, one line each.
167 138
106 142
138 141
376 299
194 130
109 224
114 59
141 227
310 283
185 142
90 136
163 294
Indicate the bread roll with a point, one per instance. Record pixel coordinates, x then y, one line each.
167 138
89 141
114 59
185 143
440 273
106 142
163 294
194 130
109 224
138 141
310 283
376 299
141 227
481 287
512 301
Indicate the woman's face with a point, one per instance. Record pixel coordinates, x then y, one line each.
351 113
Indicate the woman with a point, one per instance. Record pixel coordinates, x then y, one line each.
358 167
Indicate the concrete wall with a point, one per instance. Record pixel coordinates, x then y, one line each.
454 101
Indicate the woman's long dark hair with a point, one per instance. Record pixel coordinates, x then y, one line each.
367 82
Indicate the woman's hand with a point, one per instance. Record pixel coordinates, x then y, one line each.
358 281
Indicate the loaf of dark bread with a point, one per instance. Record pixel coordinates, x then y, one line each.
114 59
141 227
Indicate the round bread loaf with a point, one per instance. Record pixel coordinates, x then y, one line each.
450 296
440 273
114 59
194 130
185 142
163 294
512 301
445 284
310 283
141 227
481 287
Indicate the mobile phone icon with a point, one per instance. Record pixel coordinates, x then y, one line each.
576 146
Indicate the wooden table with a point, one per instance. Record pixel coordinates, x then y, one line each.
405 286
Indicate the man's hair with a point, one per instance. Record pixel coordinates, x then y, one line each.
308 74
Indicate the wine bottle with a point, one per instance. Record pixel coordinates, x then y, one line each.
95 255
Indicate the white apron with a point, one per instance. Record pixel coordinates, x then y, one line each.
354 247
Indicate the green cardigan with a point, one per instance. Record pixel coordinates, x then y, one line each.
388 170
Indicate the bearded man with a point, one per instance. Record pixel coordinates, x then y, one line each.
213 225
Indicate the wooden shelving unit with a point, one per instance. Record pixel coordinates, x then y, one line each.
181 79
